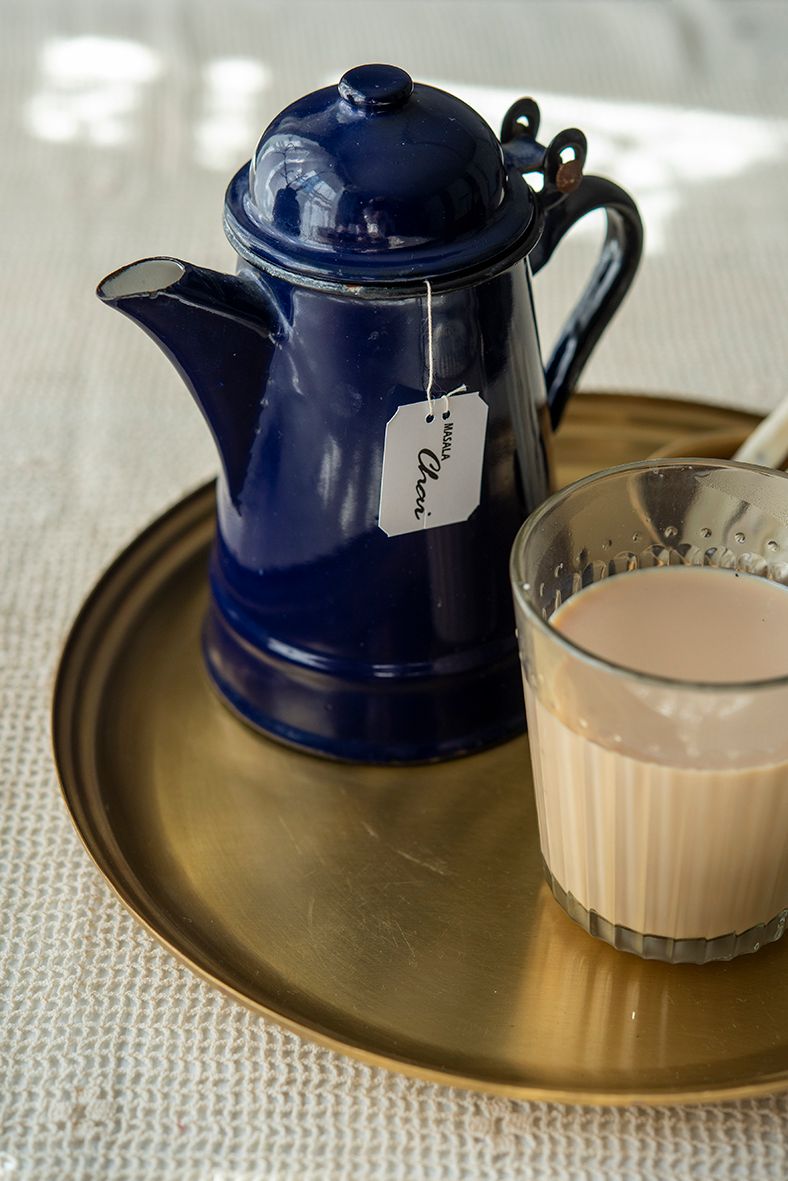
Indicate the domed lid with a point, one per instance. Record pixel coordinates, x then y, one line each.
381 181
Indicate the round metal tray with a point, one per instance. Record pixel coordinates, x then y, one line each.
399 915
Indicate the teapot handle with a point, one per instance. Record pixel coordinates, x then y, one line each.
567 196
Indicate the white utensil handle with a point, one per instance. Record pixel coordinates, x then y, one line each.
767 446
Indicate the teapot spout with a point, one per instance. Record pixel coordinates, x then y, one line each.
218 330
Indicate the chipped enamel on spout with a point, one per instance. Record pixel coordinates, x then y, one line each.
218 331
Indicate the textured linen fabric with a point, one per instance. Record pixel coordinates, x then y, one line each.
121 122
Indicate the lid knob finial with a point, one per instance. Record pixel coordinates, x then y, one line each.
376 87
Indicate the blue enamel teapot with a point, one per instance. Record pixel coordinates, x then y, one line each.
386 242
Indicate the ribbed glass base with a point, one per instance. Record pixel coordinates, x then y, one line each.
662 947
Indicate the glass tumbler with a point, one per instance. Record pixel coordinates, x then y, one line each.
662 803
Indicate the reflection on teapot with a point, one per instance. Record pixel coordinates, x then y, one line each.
364 204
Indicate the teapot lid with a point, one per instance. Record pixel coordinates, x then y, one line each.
380 181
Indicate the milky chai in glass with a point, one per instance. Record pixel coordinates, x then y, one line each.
657 703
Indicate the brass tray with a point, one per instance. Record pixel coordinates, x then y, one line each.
396 915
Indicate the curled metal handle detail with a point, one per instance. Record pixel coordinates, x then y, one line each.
565 197
519 130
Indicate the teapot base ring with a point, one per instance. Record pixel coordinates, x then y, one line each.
385 720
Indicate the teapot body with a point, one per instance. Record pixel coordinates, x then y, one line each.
323 630
386 241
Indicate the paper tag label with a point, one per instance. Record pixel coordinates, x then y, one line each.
432 464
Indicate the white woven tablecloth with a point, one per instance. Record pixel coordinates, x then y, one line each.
121 122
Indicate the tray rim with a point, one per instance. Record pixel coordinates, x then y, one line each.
196 506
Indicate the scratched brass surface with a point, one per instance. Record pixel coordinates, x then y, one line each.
399 915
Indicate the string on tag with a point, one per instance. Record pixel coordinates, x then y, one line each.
430 357
460 389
